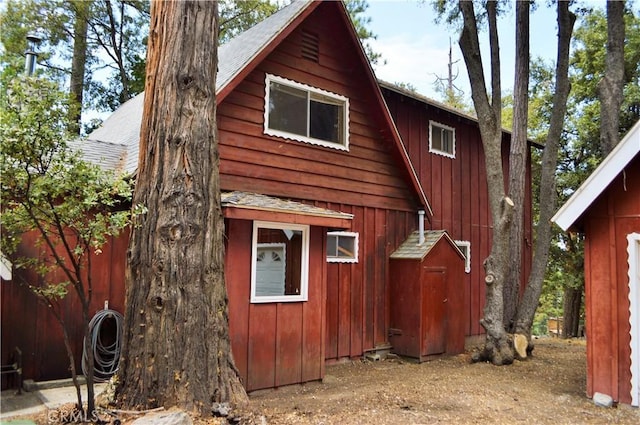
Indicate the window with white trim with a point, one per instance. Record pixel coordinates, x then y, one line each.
342 247
307 114
465 247
279 262
442 139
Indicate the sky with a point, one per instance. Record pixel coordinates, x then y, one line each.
416 48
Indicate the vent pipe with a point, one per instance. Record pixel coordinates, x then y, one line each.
420 227
31 55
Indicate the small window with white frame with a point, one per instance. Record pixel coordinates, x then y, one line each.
342 247
465 247
307 114
279 262
442 139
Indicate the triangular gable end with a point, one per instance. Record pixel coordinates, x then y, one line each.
279 34
628 148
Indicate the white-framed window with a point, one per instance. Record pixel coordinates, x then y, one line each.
465 247
279 262
307 114
342 247
442 139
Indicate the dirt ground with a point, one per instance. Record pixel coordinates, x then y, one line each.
548 388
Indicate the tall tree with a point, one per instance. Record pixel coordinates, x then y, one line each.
611 86
81 38
518 162
79 59
547 197
176 348
496 348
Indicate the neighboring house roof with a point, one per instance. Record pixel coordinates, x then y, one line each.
236 59
410 249
570 213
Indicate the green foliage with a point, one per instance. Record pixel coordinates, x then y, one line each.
71 205
237 16
356 9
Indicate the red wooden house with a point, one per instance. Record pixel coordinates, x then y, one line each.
606 208
321 202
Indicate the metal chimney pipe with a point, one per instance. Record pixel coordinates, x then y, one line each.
31 55
420 227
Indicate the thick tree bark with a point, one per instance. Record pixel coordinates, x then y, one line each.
529 303
610 88
79 60
497 348
518 162
177 349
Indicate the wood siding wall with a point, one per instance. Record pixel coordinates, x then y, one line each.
274 344
366 181
29 325
614 215
457 190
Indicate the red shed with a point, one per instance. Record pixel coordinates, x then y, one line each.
606 208
427 296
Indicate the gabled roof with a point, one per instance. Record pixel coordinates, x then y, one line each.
412 250
628 148
236 59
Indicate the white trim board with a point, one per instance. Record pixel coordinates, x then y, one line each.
633 250
600 179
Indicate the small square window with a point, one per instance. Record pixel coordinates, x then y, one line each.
306 114
342 247
442 139
465 247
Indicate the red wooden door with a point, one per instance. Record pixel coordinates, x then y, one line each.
434 319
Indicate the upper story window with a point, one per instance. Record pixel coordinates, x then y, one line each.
342 247
307 114
442 139
465 247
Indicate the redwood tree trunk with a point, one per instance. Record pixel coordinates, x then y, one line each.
176 345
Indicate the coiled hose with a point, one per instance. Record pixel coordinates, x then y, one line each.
106 358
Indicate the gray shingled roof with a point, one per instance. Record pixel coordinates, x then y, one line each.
411 250
119 134
260 202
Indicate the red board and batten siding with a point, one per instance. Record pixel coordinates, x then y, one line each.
367 181
457 189
274 344
614 215
29 325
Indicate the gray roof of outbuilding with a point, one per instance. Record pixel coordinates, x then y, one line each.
410 249
119 134
261 202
